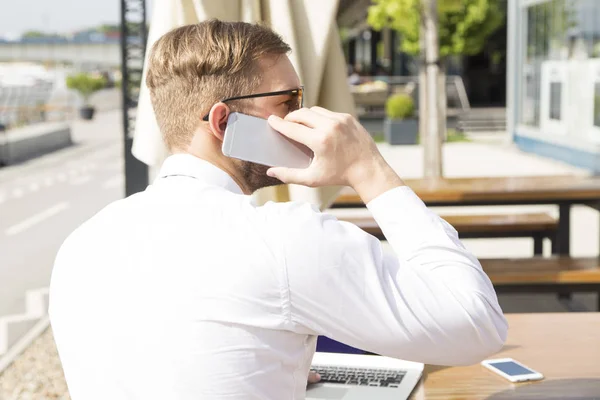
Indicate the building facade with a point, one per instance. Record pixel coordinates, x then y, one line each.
553 90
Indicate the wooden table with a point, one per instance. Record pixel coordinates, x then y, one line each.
563 191
564 347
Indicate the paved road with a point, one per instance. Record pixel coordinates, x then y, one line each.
43 200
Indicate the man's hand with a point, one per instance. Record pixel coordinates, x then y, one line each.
344 153
313 377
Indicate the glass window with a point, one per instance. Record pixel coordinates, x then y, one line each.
594 24
552 30
555 96
597 105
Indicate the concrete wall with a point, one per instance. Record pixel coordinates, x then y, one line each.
14 328
21 144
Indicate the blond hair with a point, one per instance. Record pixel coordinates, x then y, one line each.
194 66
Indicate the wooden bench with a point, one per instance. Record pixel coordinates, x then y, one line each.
535 225
561 275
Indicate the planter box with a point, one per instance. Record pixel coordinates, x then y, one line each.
87 112
403 131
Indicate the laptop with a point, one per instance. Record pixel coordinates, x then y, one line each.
357 376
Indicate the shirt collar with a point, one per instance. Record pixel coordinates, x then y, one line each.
194 167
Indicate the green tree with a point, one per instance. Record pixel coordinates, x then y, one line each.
86 84
464 25
34 35
109 28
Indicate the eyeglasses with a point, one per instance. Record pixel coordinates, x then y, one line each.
297 93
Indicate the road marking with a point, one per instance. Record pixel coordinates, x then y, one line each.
115 166
59 160
34 187
77 164
18 192
80 180
36 219
109 152
48 182
113 182
89 166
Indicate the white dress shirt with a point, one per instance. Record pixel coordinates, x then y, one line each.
189 291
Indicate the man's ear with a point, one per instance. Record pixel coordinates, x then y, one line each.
217 120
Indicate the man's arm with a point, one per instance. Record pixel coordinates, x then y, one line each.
430 302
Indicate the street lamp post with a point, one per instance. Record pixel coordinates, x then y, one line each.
133 50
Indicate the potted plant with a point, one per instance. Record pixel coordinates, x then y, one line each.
400 125
86 85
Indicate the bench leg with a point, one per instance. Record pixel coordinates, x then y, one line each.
565 298
538 245
564 229
571 304
554 245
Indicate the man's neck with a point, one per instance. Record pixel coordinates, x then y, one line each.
222 165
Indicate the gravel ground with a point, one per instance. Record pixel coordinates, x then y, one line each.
36 374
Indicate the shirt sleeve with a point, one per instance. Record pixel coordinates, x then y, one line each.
429 302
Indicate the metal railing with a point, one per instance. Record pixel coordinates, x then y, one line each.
374 99
22 105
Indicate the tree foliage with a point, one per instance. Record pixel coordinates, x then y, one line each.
86 84
39 35
464 25
34 34
109 28
400 106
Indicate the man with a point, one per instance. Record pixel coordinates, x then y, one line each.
189 291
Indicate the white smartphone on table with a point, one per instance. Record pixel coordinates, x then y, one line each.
252 139
512 370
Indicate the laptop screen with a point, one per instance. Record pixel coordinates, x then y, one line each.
327 345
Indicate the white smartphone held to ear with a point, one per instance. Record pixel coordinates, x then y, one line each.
252 139
512 370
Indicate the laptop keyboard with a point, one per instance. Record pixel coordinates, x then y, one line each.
360 376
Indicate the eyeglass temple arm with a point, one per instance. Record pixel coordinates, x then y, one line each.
253 96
